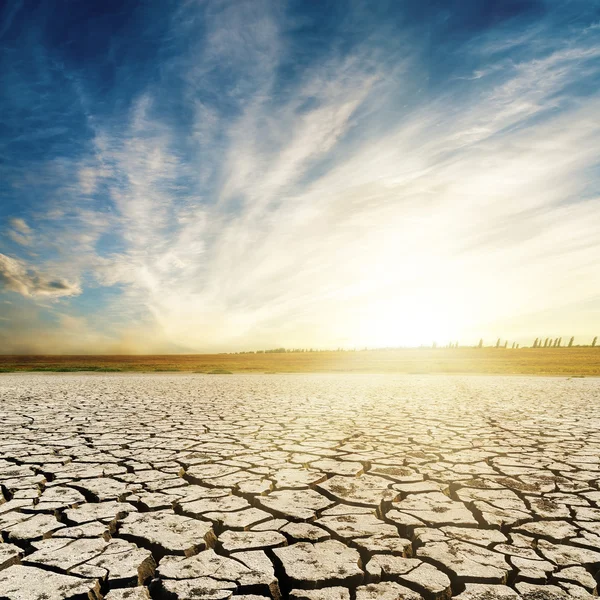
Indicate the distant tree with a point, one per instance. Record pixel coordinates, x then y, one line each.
506 344
571 340
559 341
514 344
594 341
546 343
480 345
498 343
517 346
535 343
555 342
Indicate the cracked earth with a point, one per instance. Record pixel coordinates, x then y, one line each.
326 487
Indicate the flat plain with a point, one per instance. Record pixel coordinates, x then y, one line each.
577 361
318 487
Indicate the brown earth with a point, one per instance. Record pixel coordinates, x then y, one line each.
575 361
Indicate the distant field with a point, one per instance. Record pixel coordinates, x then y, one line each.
525 361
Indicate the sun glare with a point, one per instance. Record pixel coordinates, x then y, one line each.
408 321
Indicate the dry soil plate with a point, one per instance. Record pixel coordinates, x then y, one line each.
317 487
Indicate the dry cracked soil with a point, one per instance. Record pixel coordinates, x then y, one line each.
328 487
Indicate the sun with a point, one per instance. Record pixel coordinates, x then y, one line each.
415 320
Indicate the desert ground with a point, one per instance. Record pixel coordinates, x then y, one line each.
575 361
318 487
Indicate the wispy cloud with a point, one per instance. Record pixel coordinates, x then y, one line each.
20 232
17 276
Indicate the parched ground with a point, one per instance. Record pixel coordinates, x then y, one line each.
318 487
574 361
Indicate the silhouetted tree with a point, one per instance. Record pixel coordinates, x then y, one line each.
514 344
594 341
506 344
498 343
480 343
571 340
546 343
535 343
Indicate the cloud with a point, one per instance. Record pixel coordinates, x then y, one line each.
20 226
17 276
20 233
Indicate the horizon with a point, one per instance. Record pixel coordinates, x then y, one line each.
209 177
554 343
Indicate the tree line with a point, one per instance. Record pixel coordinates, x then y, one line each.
537 343
548 342
557 342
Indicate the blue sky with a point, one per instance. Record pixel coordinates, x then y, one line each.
217 176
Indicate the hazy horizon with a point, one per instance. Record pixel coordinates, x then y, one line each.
500 344
224 176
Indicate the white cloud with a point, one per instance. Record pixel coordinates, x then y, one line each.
20 232
17 276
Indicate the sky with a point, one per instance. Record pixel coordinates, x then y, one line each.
216 176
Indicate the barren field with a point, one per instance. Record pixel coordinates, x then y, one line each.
575 361
317 487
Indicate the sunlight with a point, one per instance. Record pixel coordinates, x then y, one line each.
416 320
